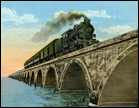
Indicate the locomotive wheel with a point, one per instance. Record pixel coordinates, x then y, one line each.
67 51
64 52
80 47
57 55
61 53
52 57
74 49
70 50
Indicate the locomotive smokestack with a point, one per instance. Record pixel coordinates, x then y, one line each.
54 25
86 20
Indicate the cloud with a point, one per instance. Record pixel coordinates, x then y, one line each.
27 18
97 13
11 15
14 37
119 29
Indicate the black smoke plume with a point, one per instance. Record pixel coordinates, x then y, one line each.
54 25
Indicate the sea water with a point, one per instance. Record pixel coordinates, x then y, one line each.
17 94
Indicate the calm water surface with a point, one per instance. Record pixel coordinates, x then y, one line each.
18 94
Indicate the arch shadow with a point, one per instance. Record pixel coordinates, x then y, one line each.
39 78
51 78
27 79
32 79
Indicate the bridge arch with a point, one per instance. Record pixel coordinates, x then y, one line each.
39 78
121 79
19 77
27 77
32 78
22 77
80 67
51 77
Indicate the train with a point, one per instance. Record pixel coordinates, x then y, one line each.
82 35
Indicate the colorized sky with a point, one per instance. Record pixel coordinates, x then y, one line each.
20 20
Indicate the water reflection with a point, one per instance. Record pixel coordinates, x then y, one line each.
54 99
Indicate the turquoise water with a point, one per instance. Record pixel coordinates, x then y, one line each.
18 94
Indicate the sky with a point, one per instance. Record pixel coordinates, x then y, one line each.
21 20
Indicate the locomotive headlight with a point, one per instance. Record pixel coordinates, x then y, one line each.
89 30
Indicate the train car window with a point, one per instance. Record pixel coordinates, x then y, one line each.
48 50
39 55
43 53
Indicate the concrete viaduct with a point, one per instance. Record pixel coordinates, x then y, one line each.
108 71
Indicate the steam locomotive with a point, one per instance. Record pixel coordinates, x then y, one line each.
73 39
